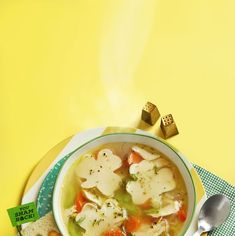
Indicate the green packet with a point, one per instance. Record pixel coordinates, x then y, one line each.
23 214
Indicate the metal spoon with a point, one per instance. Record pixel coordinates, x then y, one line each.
213 213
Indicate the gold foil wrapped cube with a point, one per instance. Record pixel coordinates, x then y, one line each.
150 113
168 126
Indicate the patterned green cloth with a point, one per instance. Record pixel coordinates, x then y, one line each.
215 185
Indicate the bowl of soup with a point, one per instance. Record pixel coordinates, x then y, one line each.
124 184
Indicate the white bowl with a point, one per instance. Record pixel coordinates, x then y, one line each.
130 138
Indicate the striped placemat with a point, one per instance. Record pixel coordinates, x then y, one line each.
215 185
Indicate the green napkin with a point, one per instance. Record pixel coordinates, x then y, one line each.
215 185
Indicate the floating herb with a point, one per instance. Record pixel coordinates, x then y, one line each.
134 177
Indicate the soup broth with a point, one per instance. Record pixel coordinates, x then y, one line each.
122 189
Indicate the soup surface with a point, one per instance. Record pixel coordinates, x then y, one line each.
124 189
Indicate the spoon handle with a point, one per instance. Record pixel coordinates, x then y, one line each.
199 232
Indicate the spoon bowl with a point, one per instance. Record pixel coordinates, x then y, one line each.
213 213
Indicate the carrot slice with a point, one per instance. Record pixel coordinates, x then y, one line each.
54 233
134 158
132 224
113 232
182 216
80 201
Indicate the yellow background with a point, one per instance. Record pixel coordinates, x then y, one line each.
69 65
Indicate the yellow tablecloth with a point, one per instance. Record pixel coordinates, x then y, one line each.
66 66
